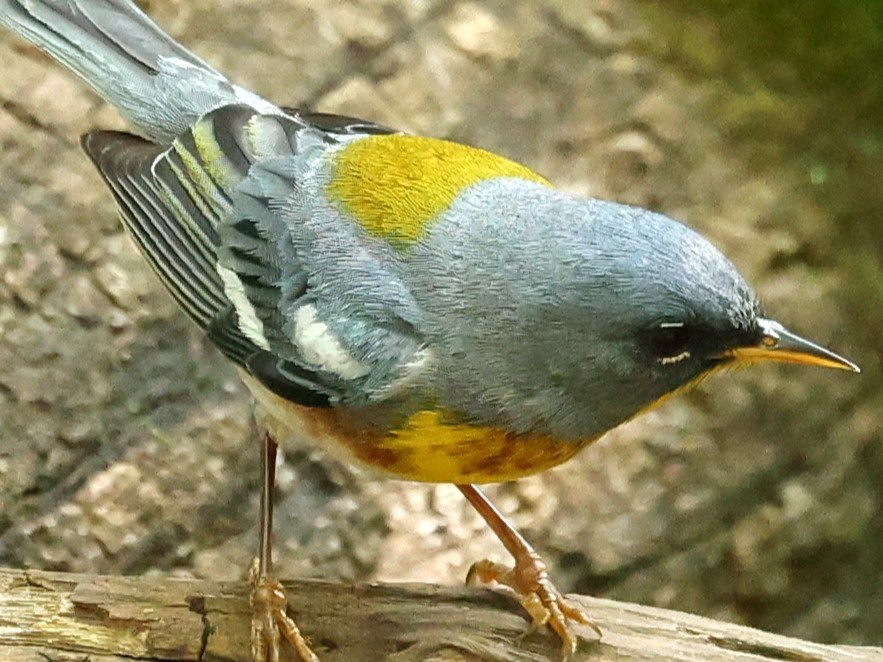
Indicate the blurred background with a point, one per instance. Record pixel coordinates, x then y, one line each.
125 440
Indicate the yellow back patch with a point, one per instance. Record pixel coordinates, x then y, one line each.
396 185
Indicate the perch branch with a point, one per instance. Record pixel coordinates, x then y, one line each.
86 618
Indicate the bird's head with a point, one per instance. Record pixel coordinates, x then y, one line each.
663 308
576 314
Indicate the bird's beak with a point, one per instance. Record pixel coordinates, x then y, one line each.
779 344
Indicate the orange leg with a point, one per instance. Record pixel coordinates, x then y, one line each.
270 622
528 578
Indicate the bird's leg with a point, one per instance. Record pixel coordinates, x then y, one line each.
528 578
270 621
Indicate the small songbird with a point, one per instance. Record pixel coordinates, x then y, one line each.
420 307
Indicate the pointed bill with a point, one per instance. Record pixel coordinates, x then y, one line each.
779 344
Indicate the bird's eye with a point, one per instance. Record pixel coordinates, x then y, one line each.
670 342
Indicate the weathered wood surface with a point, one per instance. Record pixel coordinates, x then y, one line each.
67 617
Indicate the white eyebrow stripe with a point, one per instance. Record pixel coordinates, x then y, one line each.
671 325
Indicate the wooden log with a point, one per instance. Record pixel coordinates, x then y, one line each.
67 617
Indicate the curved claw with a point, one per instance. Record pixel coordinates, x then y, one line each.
529 582
270 623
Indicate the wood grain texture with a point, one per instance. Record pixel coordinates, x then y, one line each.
67 617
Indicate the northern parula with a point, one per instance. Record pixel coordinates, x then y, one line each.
420 307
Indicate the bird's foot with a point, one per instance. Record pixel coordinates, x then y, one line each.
270 622
529 580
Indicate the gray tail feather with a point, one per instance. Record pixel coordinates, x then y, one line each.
157 84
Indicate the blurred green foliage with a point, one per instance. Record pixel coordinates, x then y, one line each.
798 80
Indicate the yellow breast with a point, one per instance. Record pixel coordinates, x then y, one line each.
428 447
396 185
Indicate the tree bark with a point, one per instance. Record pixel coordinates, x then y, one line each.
62 616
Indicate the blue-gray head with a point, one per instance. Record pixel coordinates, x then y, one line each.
570 315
